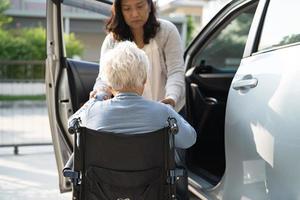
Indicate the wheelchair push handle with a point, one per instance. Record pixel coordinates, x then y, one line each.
74 125
172 122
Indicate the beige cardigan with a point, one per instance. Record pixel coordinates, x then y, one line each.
171 60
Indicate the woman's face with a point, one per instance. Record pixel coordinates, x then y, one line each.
135 12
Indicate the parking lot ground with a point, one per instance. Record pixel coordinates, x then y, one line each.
30 175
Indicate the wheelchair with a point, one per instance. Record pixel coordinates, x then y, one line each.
111 166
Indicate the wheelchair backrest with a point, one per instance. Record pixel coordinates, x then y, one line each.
124 166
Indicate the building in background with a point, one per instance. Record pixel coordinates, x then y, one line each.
88 27
201 10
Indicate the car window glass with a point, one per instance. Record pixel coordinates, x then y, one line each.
224 50
281 25
83 35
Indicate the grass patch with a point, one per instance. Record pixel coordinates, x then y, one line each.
22 97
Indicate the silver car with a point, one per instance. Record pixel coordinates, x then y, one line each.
242 97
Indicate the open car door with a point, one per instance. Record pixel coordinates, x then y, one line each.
212 61
68 82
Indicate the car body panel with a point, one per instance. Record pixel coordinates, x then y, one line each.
261 126
262 140
213 83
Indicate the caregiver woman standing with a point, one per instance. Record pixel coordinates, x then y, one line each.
135 20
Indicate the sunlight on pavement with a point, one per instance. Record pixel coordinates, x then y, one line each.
31 175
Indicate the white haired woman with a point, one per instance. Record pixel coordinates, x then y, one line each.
124 69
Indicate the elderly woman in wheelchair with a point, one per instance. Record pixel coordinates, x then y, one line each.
124 146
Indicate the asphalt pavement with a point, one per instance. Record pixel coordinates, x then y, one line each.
31 175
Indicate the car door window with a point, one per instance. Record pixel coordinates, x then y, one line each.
280 29
225 49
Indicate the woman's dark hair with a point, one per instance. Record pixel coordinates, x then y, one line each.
121 31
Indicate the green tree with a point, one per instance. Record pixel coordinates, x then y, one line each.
229 43
29 44
190 29
4 5
289 39
73 46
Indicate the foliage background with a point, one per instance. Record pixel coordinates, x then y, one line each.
190 29
27 44
30 44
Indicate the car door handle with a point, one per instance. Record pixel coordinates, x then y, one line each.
244 84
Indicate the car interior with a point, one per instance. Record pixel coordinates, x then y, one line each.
207 85
82 76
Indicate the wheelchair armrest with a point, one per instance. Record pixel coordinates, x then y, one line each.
68 169
69 164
